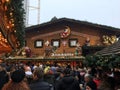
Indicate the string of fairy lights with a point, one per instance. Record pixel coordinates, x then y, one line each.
7 23
3 40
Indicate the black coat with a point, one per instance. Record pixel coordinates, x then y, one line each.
4 78
67 83
40 85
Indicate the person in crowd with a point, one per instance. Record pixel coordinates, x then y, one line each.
107 83
117 79
97 79
90 86
49 75
58 75
28 74
89 83
67 82
17 81
39 83
4 78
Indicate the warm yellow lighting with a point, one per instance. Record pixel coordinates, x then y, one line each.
8 27
12 20
15 31
11 13
6 40
7 0
3 38
12 24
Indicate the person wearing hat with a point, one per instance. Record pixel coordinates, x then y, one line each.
17 81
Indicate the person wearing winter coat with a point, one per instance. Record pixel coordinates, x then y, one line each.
39 83
68 82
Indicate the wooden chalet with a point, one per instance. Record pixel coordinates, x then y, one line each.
68 39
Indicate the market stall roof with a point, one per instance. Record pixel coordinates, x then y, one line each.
61 20
40 58
110 50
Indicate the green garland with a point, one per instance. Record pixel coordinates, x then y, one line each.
16 14
103 61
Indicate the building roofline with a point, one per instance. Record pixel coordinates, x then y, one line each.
73 21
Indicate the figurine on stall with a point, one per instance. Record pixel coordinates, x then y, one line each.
78 50
87 42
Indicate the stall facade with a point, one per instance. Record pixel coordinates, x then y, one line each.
68 37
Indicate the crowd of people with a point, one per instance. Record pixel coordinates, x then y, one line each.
37 76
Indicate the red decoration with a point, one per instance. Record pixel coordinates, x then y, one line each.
66 32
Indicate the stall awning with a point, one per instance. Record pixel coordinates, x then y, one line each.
110 50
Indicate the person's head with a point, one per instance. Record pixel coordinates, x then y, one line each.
18 76
67 71
61 73
88 77
91 86
38 73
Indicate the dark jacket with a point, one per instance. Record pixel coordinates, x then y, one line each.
4 78
67 83
40 85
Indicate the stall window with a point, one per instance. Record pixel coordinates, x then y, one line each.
73 42
38 44
55 42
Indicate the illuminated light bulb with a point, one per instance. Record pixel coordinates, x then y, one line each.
12 20
7 0
11 13
12 24
6 40
8 27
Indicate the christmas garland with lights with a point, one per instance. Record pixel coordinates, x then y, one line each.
15 14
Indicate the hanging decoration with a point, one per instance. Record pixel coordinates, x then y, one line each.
64 43
87 42
25 51
109 40
66 32
3 41
78 50
47 43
